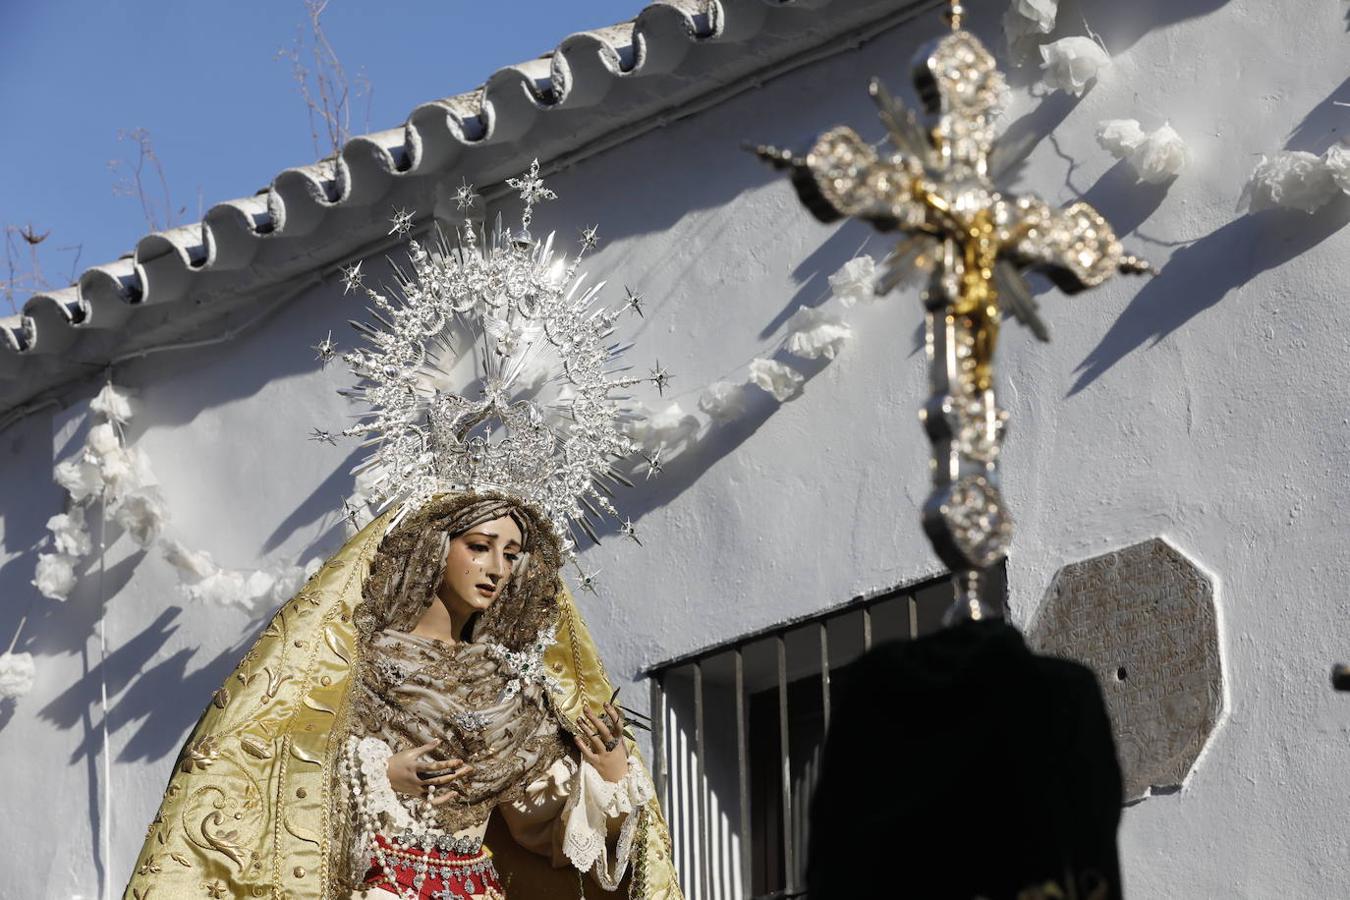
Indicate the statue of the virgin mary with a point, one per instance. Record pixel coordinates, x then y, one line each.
428 717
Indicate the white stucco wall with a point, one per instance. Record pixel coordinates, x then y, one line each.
1206 405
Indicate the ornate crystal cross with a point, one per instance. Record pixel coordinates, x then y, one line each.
934 187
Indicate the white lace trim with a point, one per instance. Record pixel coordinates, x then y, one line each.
591 803
370 758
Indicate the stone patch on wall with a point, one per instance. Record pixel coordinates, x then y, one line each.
1142 618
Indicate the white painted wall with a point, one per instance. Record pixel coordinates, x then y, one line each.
1207 405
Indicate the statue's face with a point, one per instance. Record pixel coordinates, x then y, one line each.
478 565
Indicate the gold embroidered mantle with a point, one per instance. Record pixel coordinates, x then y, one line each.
253 809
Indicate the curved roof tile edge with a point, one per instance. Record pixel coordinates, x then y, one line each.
579 72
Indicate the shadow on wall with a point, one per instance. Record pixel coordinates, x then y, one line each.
699 453
1121 25
1324 124
1203 272
162 699
1200 275
851 238
325 499
1125 201
30 498
1016 141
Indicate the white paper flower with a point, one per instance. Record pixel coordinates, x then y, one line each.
783 381
249 591
254 591
1293 179
671 428
142 514
103 439
1161 156
1337 159
1071 62
55 575
80 478
126 470
1041 13
112 405
70 534
723 401
290 579
17 674
856 280
813 333
1120 136
191 564
222 587
1025 23
1155 156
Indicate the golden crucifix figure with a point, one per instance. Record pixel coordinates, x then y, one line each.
934 187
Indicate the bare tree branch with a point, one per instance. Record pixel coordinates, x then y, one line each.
323 83
24 274
158 210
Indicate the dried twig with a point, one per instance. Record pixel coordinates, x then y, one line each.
158 210
23 263
323 83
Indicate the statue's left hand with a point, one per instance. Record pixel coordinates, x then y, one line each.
602 744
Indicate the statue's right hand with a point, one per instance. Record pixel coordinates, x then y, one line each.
410 773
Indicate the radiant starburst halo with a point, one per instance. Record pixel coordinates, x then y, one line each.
491 364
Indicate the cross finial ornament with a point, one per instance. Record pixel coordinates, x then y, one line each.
933 186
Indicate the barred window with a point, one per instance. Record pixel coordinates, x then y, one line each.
738 731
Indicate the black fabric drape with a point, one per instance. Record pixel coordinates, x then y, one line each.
962 765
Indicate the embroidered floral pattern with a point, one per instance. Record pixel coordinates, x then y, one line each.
527 665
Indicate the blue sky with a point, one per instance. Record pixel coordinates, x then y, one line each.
223 112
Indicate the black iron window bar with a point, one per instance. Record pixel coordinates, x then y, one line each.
733 775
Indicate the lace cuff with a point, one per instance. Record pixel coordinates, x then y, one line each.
591 804
369 759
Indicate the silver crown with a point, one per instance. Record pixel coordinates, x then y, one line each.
491 366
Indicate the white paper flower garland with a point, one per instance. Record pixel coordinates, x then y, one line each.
1297 179
1155 156
811 333
107 469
